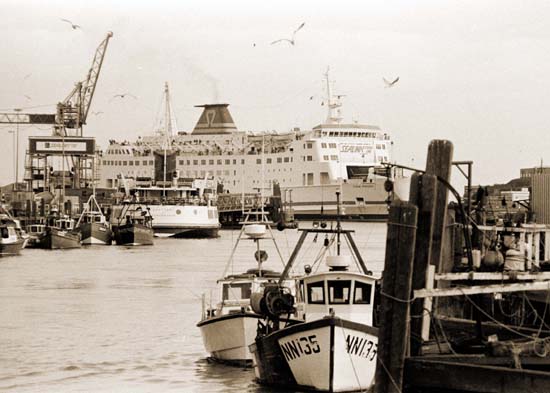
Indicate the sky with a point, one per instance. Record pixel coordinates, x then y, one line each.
472 72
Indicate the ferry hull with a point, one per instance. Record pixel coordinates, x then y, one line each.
184 233
54 238
330 354
96 233
133 235
184 220
226 338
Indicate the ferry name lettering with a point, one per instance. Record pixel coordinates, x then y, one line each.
299 346
355 149
361 347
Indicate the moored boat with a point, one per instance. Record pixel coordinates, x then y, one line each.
93 224
10 242
133 226
59 233
34 232
334 348
230 327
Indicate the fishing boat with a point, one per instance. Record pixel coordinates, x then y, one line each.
334 348
10 242
230 327
93 224
60 233
35 232
133 225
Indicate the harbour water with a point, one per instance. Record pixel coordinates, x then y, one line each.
116 319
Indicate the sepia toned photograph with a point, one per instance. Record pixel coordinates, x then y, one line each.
280 196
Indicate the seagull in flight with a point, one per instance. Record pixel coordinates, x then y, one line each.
27 97
291 40
123 95
390 84
72 24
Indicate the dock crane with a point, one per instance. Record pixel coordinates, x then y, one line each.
70 116
72 112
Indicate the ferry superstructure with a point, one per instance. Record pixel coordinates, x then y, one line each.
309 166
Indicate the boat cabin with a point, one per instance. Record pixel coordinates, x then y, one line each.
7 232
92 217
348 295
36 229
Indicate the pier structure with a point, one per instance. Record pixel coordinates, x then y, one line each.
449 324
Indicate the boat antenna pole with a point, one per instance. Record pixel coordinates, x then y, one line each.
167 133
338 225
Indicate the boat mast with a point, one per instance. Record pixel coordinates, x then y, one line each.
333 105
167 133
338 225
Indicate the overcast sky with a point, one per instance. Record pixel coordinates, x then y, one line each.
473 72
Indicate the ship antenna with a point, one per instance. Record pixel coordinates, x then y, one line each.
333 105
167 132
338 225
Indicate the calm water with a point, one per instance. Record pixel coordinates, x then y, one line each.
116 319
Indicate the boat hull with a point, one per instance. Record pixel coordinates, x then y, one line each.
54 238
133 235
226 338
96 233
10 248
184 220
329 354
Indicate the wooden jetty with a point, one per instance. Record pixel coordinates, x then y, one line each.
445 324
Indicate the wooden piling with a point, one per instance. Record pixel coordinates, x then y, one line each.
395 295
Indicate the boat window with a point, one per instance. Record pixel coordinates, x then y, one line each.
5 233
237 291
362 293
339 291
316 292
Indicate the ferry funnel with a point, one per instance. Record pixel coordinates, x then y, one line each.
215 119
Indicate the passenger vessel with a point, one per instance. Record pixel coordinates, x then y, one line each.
308 165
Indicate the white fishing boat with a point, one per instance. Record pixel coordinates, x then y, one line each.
230 327
93 224
334 348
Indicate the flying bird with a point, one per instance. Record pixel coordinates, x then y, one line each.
123 95
72 24
291 40
390 84
97 113
27 97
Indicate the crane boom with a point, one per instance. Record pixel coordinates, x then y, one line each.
73 110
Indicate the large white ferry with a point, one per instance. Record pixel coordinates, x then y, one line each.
309 166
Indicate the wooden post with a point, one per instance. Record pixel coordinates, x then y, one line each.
395 295
423 193
439 163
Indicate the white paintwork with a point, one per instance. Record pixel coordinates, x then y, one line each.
255 230
184 217
228 339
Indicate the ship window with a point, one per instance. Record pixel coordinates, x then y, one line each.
309 158
323 145
332 145
287 159
258 160
181 162
125 163
234 161
269 160
325 158
227 162
309 145
137 162
362 293
316 292
220 162
242 160
151 162
188 162
339 291
203 162
144 162
131 163
237 291
279 160
195 162
334 158
211 162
